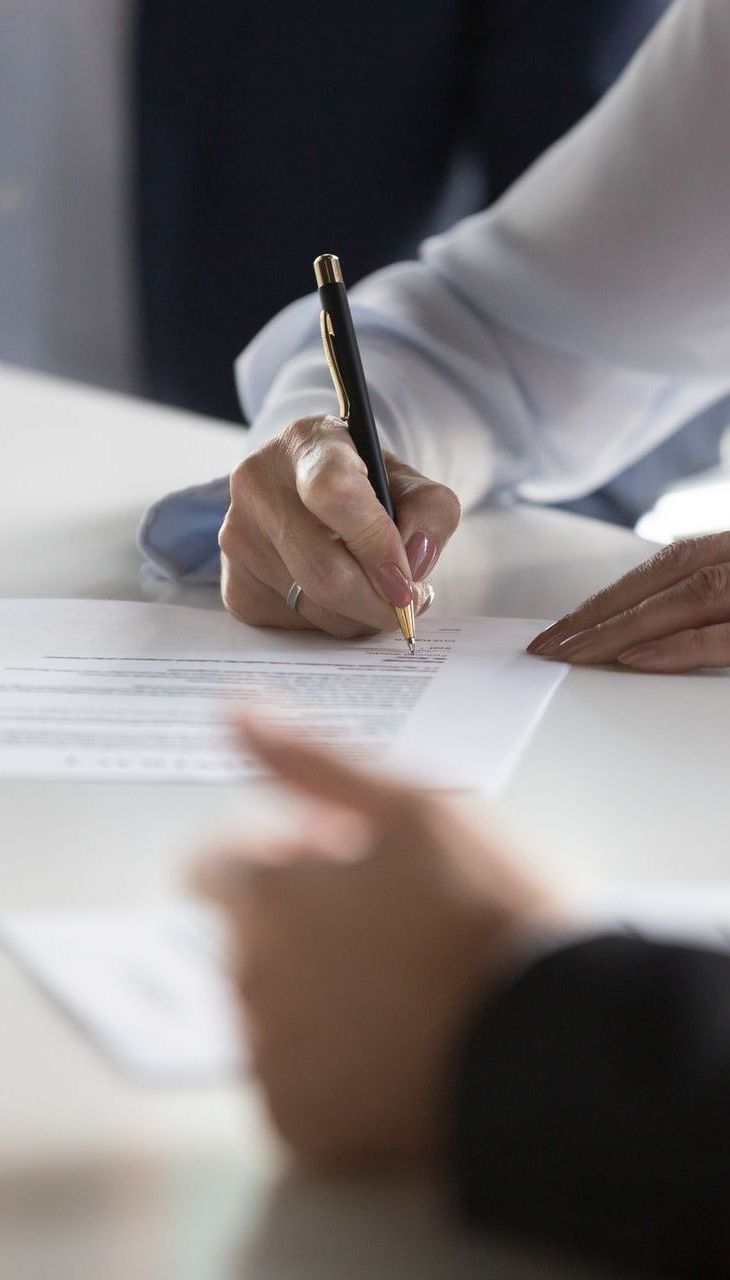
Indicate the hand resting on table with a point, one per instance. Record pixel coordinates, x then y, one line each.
670 614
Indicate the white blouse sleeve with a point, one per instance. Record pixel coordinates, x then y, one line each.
539 348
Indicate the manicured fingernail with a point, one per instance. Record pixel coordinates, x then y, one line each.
422 551
641 655
549 647
427 594
576 646
394 585
543 639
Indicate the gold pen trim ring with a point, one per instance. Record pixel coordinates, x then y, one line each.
327 269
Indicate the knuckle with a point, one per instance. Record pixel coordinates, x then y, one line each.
428 500
261 498
679 556
707 585
301 435
296 434
451 506
251 482
329 489
437 505
239 472
318 486
227 534
246 474
267 467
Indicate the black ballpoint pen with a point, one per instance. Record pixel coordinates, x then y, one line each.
343 358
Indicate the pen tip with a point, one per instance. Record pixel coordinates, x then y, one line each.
412 645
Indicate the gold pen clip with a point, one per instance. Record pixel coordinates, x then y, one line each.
328 333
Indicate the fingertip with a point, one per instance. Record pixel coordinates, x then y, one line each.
544 637
312 768
247 721
257 729
218 877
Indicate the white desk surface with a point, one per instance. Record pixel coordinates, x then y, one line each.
624 781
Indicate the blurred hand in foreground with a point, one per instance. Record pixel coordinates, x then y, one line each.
303 510
670 614
360 948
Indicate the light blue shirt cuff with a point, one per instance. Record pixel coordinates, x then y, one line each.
179 534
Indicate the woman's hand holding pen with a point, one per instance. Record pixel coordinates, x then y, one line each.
670 614
303 510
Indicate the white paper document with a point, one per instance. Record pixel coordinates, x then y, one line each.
106 689
148 987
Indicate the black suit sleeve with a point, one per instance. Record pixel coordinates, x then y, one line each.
537 66
593 1110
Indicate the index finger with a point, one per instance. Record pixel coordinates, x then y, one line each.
314 771
665 569
701 598
332 482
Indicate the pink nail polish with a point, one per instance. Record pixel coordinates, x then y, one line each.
579 645
555 633
422 551
394 585
549 646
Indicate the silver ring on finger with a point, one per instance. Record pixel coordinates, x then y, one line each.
293 595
